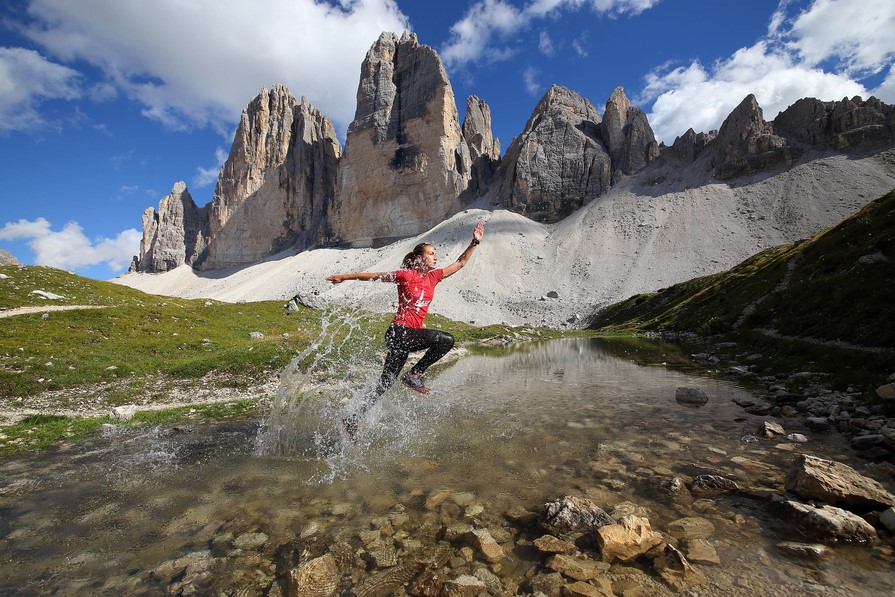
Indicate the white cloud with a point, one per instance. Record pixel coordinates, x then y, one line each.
545 44
69 248
483 33
578 46
208 176
802 56
530 80
26 79
858 35
198 63
472 36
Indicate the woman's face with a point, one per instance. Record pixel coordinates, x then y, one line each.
428 260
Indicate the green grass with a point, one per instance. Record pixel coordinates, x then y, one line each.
834 286
137 335
822 304
145 346
39 432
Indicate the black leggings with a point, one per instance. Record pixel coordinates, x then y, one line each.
401 341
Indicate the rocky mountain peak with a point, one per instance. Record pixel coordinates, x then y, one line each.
839 125
7 258
175 234
406 162
746 143
627 134
558 162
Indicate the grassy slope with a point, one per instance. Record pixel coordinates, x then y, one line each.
818 288
141 345
831 290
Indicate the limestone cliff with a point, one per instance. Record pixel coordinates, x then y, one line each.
838 125
174 235
627 135
7 258
276 187
406 162
484 149
746 143
558 162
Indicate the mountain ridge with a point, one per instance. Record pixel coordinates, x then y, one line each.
408 164
665 225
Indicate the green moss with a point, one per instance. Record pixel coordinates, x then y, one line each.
835 286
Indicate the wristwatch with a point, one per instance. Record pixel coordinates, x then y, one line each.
474 242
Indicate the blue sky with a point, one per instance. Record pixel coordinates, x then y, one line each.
105 104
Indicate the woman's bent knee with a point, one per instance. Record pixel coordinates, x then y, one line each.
445 339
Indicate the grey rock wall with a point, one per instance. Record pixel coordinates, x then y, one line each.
406 162
558 162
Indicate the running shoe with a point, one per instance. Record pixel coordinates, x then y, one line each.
414 381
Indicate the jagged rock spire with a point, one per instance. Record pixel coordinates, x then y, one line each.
174 235
406 162
558 162
627 134
484 148
746 143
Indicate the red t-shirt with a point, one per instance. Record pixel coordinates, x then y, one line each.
415 292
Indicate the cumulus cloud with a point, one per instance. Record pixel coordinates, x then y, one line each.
545 44
814 53
856 36
69 248
209 176
27 79
486 31
530 80
197 64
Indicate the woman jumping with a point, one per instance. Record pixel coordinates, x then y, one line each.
416 282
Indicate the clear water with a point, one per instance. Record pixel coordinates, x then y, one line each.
518 429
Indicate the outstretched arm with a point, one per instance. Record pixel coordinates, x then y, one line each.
456 266
367 276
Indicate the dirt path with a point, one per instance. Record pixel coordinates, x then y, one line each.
43 309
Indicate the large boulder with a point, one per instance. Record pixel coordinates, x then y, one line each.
835 483
406 162
824 523
559 162
570 517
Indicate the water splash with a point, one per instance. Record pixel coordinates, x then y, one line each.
313 388
328 381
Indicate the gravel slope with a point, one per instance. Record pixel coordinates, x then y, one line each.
663 226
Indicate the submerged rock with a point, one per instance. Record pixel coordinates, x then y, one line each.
690 396
674 569
627 539
572 516
814 478
315 578
826 523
